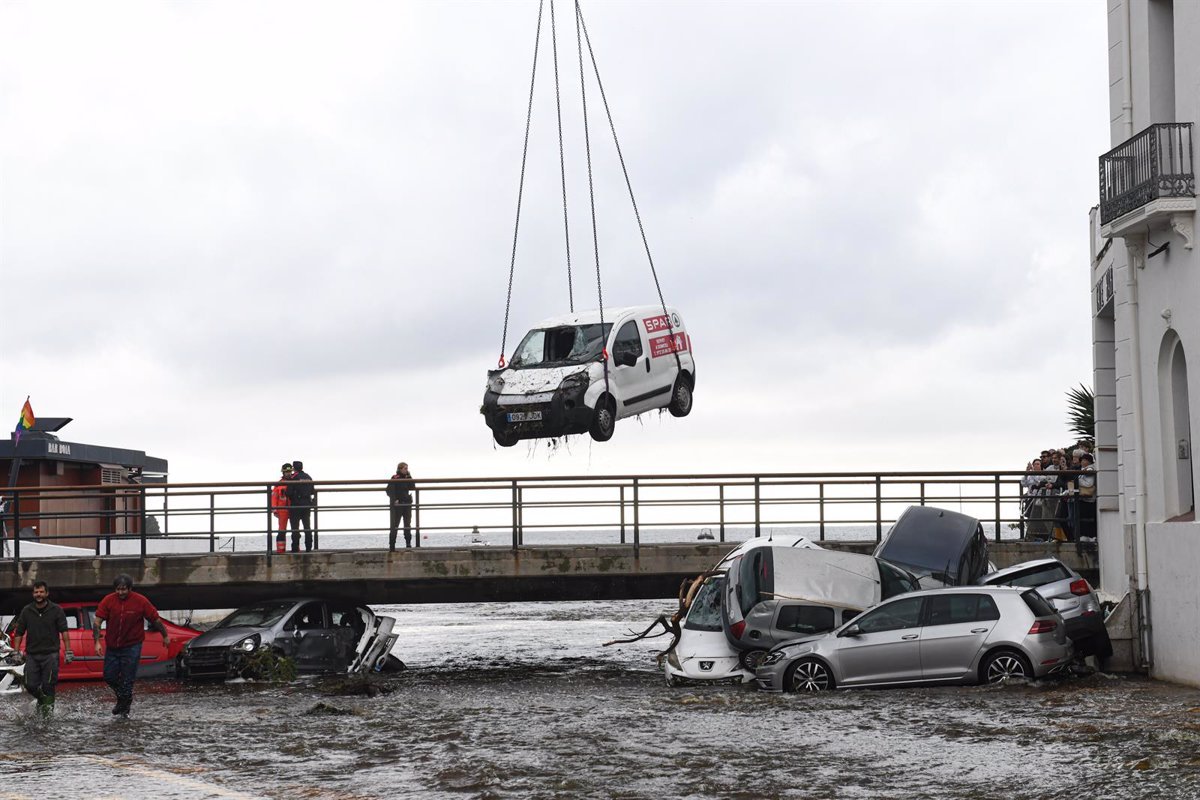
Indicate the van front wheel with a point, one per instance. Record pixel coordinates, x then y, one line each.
681 398
604 421
505 438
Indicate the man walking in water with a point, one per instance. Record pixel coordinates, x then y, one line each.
124 610
45 623
399 491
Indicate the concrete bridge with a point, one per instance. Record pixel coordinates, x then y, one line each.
423 575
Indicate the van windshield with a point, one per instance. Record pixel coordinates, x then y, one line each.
552 347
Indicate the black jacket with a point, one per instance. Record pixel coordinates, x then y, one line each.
43 627
300 495
399 488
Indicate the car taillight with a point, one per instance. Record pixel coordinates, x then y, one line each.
737 629
1043 626
1080 587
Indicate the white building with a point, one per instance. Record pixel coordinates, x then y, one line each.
1146 323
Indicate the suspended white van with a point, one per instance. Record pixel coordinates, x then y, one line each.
574 374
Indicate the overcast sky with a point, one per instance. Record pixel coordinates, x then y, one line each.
237 233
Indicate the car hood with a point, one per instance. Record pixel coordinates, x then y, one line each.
537 379
224 637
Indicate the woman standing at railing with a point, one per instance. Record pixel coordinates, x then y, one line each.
279 507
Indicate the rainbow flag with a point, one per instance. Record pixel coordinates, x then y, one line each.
24 422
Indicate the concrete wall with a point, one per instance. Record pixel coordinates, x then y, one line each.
1174 565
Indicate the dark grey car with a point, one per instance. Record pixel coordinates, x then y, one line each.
1069 593
942 548
319 635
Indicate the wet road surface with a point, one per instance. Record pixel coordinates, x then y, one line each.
521 700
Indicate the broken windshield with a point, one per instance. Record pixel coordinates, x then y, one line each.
552 347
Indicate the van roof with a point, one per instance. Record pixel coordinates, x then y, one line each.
592 316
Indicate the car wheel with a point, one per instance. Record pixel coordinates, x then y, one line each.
1102 646
750 659
681 397
808 675
1005 665
505 438
604 421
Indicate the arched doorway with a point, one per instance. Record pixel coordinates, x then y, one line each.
1178 481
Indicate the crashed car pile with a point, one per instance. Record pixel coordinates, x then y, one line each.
925 608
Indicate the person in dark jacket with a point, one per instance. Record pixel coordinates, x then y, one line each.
45 623
399 492
123 611
302 497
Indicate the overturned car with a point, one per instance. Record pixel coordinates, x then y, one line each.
318 635
941 548
562 381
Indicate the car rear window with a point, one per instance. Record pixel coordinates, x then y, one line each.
753 575
1037 605
1033 576
805 619
893 581
705 613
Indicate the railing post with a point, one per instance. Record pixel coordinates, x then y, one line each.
622 501
212 522
521 515
16 504
142 492
821 508
316 514
997 507
416 516
270 526
757 508
1021 508
166 528
515 541
721 501
637 531
878 508
922 492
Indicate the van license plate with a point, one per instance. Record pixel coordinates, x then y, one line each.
525 416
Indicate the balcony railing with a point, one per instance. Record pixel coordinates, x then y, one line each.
1156 163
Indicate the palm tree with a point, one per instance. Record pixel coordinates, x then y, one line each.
1081 413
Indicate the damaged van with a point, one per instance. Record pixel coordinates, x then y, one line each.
574 374
773 594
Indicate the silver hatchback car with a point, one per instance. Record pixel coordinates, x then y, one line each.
963 634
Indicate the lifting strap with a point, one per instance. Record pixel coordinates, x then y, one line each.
628 185
512 263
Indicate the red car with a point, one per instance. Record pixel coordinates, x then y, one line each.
87 666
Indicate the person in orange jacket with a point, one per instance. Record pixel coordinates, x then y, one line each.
279 506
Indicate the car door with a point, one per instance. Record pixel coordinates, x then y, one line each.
83 642
663 341
315 643
956 627
886 647
631 371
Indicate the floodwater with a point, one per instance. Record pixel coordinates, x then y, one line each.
522 700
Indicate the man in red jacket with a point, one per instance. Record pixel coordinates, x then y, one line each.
124 610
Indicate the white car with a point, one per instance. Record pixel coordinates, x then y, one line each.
703 654
572 374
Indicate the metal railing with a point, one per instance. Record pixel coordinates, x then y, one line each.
511 511
1155 163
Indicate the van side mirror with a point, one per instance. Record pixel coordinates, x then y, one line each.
853 630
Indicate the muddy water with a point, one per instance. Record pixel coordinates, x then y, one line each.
522 701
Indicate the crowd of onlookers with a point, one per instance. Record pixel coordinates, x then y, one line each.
1060 495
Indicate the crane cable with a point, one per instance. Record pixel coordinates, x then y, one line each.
520 187
587 143
562 161
580 24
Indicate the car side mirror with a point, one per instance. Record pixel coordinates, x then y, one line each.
297 633
853 630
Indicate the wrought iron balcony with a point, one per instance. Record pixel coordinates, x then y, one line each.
1155 164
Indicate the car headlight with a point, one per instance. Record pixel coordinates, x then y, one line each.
574 383
774 657
673 660
496 383
248 644
187 646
